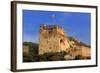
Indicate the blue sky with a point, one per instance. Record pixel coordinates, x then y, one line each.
75 24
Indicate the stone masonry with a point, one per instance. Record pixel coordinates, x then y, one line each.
52 38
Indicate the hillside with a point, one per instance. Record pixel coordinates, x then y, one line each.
78 42
81 51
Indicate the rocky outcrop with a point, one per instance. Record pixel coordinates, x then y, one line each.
52 38
55 44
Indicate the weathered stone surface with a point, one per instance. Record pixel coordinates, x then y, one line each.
52 39
86 52
69 57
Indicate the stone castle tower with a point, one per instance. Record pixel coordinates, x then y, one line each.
52 38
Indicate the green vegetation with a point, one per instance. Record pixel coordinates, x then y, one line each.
79 43
31 45
57 56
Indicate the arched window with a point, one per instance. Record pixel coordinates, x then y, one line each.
61 41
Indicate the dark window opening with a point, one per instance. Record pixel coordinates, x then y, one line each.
61 41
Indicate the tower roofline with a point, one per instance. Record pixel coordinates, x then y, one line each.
50 26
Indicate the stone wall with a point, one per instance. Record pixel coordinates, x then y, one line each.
86 52
52 39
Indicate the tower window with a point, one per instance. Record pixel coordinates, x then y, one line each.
61 41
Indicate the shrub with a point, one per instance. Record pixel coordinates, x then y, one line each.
78 57
57 56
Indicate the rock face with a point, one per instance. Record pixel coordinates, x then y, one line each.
54 44
25 50
52 38
86 52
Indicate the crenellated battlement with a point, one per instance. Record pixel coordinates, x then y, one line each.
52 29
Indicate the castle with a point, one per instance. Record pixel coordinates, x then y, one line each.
52 38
